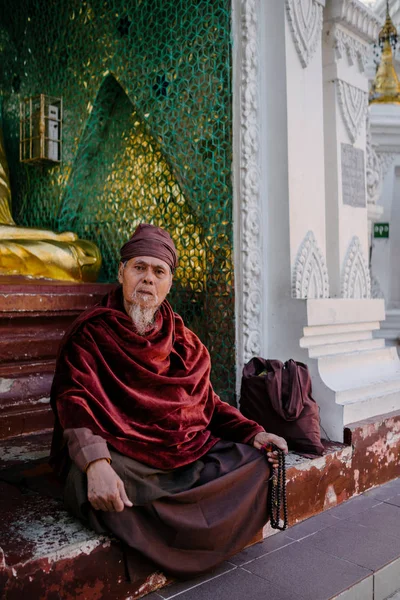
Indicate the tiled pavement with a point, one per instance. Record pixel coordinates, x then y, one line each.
351 552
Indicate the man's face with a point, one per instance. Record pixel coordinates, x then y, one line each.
145 281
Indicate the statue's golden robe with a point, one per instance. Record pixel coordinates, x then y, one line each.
40 253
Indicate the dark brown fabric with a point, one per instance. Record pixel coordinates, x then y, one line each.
149 240
187 520
278 396
149 397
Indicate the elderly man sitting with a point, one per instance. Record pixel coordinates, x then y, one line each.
149 451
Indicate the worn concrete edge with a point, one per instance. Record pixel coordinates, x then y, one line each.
70 551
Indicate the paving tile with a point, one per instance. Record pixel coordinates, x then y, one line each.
395 500
353 507
394 484
180 586
274 542
315 574
311 526
360 545
384 518
239 585
383 492
364 590
387 580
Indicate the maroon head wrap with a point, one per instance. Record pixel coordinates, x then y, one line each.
149 240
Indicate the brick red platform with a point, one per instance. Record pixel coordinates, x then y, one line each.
46 552
369 458
33 319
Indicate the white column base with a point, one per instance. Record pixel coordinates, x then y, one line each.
355 375
390 328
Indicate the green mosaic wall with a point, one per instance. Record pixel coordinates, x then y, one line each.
146 86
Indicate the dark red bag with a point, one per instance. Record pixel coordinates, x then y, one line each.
278 397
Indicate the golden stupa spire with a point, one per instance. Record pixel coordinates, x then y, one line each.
386 86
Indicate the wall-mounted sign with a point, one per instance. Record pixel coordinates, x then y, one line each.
381 230
353 176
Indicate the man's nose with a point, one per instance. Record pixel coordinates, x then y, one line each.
148 277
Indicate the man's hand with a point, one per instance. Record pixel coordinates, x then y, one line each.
261 439
106 491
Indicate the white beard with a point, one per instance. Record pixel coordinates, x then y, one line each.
142 317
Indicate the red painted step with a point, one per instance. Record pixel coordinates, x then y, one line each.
44 552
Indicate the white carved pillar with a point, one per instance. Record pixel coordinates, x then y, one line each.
292 187
246 170
348 29
306 181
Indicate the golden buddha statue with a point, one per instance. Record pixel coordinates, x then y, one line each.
40 253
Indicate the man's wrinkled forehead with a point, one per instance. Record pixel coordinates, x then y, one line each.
146 261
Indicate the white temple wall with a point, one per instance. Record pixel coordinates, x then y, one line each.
281 159
383 259
394 262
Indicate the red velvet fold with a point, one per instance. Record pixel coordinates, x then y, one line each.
149 397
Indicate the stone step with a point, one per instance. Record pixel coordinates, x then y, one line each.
43 548
25 404
377 402
44 552
347 348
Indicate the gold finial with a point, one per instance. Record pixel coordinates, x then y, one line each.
386 86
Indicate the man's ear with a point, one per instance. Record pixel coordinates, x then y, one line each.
120 270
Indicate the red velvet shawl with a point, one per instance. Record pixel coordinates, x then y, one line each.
149 397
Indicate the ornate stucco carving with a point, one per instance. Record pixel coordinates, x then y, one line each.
356 281
310 275
373 170
386 160
376 291
356 17
249 181
305 20
346 45
353 104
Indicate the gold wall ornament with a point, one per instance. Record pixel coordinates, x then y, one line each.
40 253
41 130
386 86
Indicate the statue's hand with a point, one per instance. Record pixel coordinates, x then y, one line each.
106 491
67 236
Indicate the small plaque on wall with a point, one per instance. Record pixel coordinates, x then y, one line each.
381 230
353 176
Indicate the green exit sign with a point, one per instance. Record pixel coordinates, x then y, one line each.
381 230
